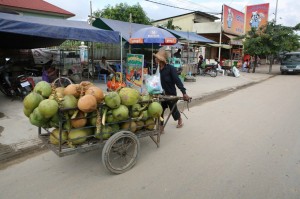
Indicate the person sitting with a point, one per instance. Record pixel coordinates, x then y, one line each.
178 54
246 66
219 68
49 74
105 67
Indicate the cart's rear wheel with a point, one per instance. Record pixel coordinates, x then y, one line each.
120 152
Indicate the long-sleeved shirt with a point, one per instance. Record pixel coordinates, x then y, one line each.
169 78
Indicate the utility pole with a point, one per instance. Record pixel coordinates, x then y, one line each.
276 11
130 30
92 45
220 39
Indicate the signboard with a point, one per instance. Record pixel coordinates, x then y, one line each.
135 71
256 16
233 22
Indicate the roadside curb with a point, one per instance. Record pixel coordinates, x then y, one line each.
9 152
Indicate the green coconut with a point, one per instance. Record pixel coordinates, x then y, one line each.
43 88
70 101
112 100
54 121
92 119
115 127
27 112
145 97
37 119
121 113
145 115
155 110
55 136
48 108
31 101
105 132
109 117
136 110
150 124
130 126
139 125
79 136
129 96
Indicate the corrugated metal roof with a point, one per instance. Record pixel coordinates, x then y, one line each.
190 36
125 28
35 5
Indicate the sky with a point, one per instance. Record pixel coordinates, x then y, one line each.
288 13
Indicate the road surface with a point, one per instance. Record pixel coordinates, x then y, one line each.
242 145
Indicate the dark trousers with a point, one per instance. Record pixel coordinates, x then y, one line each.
170 104
103 71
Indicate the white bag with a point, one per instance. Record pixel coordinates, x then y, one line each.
153 83
235 71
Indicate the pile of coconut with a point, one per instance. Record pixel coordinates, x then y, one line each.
86 112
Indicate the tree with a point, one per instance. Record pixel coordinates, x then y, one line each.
122 12
270 39
170 25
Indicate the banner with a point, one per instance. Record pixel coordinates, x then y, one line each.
233 21
135 71
256 16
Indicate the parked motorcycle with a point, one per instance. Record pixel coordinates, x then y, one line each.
33 72
9 86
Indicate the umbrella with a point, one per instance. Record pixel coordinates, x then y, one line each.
152 35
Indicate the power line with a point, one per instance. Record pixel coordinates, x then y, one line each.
181 7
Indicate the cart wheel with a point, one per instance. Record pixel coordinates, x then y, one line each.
62 82
120 152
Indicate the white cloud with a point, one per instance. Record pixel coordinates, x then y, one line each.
287 13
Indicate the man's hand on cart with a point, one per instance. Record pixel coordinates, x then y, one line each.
187 98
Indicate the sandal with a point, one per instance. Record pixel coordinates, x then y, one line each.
179 125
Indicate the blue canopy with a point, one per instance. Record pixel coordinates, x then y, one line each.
35 32
190 36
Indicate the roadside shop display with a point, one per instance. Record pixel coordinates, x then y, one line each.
135 71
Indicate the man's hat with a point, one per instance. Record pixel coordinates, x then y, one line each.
161 55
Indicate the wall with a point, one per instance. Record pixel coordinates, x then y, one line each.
209 27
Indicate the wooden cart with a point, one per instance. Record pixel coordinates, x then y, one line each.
120 151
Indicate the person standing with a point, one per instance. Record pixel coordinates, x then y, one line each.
169 79
199 66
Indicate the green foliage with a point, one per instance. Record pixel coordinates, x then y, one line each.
70 45
170 25
122 12
271 40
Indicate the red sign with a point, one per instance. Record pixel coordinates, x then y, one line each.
233 21
136 41
170 40
256 16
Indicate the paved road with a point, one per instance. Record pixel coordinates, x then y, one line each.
243 145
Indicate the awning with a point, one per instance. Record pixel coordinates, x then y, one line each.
27 32
190 36
234 41
221 45
125 28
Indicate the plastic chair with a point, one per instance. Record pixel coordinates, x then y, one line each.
102 77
